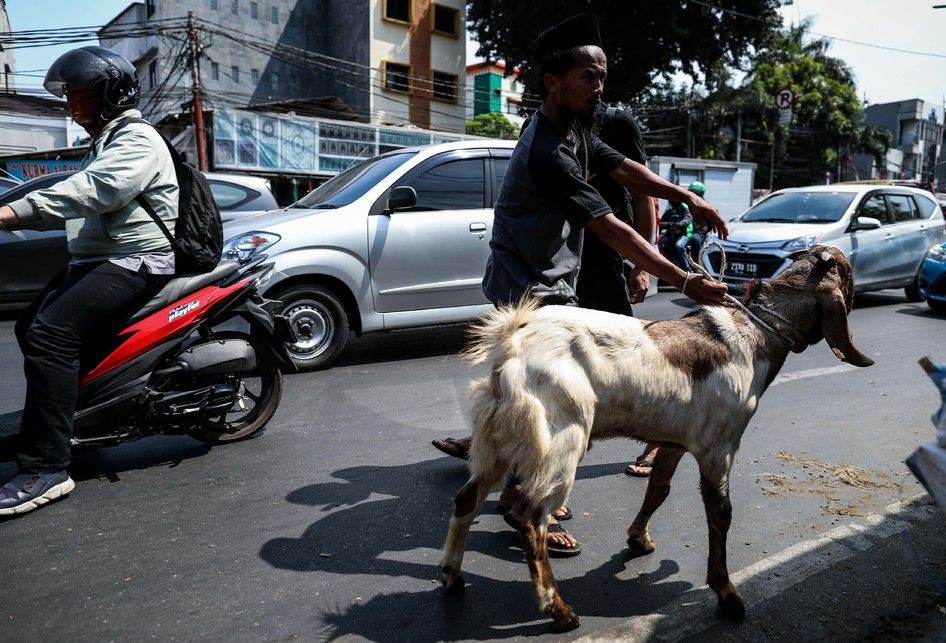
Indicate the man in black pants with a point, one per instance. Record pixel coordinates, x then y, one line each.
545 201
120 259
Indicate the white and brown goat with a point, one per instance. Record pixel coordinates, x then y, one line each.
561 376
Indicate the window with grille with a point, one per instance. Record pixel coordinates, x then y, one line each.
234 7
399 10
397 77
274 15
254 76
254 10
215 71
213 5
445 86
235 74
446 20
274 80
153 73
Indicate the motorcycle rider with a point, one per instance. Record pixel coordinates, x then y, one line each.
119 259
679 231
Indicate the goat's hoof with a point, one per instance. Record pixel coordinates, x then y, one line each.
732 608
565 620
640 545
453 584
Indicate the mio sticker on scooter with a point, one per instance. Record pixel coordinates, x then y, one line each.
183 309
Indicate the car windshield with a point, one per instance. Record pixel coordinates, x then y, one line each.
353 182
801 207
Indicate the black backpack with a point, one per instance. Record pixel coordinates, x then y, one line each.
198 235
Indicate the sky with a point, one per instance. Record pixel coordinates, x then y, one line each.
882 75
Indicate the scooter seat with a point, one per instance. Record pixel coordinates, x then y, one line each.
183 286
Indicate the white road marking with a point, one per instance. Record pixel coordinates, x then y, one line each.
812 372
765 579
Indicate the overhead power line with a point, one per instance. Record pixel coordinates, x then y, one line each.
901 50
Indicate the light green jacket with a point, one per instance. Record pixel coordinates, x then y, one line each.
102 219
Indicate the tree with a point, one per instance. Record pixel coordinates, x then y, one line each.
828 118
643 40
492 125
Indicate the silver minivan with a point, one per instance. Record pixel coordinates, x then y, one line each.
400 240
884 230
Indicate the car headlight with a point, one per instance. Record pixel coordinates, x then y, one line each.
246 245
938 253
801 243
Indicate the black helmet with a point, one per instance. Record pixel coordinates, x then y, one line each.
96 68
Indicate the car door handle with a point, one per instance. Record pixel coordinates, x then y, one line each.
477 228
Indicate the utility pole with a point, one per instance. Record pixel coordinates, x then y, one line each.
738 136
195 88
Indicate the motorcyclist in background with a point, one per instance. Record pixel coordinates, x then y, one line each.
679 233
119 259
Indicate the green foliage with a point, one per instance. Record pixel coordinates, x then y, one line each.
492 125
827 125
643 40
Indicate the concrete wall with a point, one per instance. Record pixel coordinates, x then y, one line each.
728 184
21 133
389 41
448 55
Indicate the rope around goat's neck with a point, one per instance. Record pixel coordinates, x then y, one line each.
698 268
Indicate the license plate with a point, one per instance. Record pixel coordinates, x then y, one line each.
743 268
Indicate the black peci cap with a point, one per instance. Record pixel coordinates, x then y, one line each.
577 31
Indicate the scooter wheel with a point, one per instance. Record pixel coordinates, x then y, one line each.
259 395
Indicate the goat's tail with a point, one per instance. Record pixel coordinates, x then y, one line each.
509 422
492 338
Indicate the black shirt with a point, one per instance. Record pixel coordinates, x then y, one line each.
543 205
601 283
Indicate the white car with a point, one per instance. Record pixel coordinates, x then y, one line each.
885 231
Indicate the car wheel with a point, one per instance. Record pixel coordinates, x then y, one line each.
937 306
319 322
913 292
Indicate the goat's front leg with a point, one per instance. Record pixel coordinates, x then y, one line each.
467 504
714 486
658 488
534 532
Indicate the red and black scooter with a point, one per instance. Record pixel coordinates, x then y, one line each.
202 357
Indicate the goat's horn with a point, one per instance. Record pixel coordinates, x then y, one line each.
826 257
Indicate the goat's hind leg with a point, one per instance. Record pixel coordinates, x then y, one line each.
534 532
466 506
714 486
658 488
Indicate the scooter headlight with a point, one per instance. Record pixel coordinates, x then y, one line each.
246 245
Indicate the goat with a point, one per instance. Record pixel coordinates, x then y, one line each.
561 376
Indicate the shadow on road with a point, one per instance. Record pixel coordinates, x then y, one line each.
403 345
391 522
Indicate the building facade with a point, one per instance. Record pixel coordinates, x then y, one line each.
393 62
6 56
35 123
490 89
917 143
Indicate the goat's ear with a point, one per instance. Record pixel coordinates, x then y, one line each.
836 331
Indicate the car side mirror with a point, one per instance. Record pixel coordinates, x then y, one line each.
866 223
401 198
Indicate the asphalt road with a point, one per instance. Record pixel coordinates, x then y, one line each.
329 524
